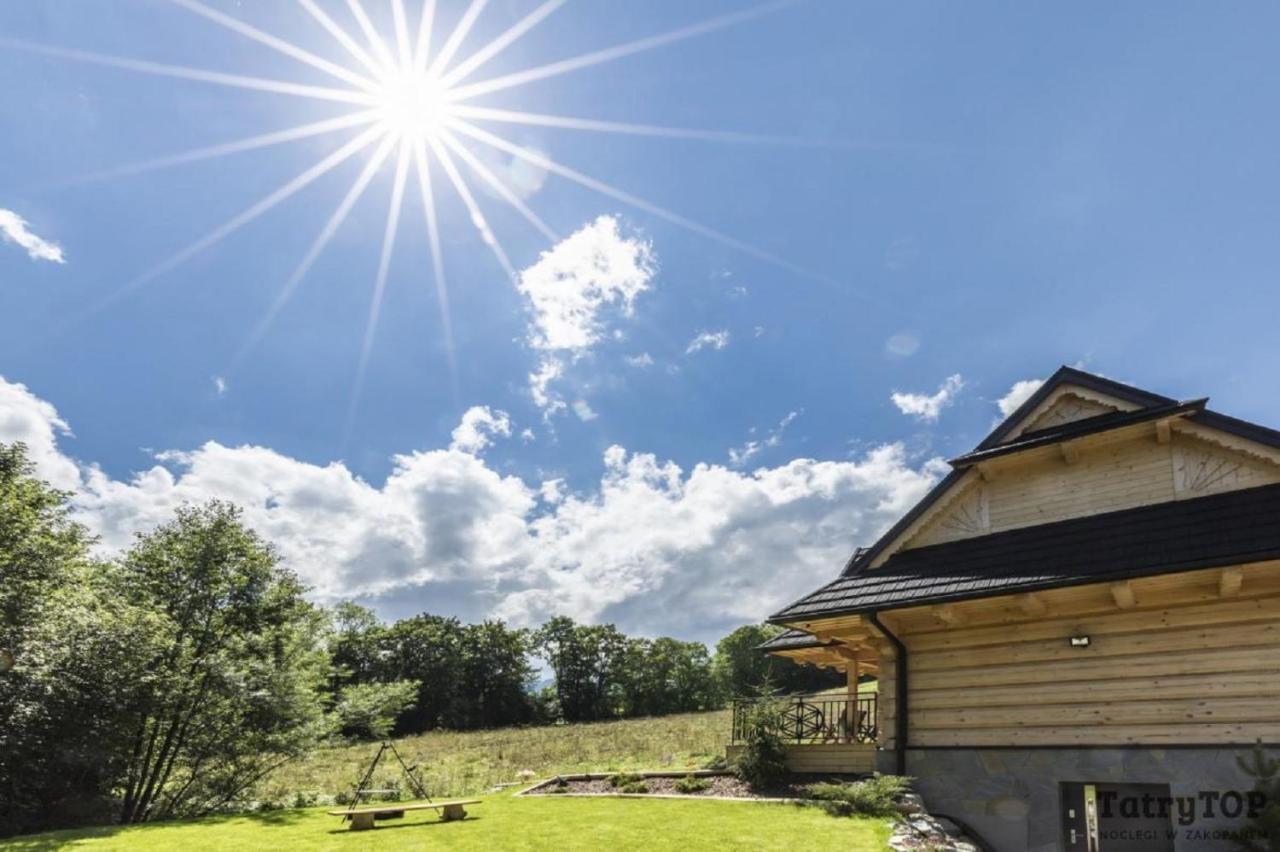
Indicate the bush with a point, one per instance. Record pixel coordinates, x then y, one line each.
634 787
304 799
622 779
874 796
691 784
561 786
763 763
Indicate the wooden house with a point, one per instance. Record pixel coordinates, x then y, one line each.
1076 633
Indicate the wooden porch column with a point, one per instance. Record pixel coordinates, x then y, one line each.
851 711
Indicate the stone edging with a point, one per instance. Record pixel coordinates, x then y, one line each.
600 776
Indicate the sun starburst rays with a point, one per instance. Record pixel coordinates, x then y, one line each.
411 98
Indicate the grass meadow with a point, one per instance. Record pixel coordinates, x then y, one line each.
464 763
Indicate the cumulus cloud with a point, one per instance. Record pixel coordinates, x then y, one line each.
27 418
644 359
708 339
1018 394
583 409
478 427
652 547
571 291
219 385
15 229
739 456
928 407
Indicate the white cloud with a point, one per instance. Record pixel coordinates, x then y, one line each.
552 491
903 344
219 385
713 339
583 409
27 418
15 229
664 551
569 289
478 428
1018 394
644 359
654 548
928 408
741 455
549 369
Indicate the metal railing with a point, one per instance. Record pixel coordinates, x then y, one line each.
815 718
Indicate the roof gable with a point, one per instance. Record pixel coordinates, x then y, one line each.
1069 403
1094 393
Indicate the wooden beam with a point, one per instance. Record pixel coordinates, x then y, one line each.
1070 453
1163 430
1230 581
1032 604
1122 594
947 615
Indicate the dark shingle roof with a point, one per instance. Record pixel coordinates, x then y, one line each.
1205 532
792 640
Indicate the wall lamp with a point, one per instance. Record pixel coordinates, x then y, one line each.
1079 641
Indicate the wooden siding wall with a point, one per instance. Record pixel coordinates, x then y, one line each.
1182 665
1105 477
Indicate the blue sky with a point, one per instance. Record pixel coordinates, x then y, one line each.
978 190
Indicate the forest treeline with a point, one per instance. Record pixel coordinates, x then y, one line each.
172 679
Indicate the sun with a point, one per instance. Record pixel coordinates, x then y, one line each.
415 108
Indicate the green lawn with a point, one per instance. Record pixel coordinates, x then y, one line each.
505 822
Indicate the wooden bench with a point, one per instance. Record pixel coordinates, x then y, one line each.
362 818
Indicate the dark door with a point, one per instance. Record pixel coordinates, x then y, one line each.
1116 818
1079 824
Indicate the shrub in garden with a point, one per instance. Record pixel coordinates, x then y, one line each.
634 787
763 763
873 796
691 784
622 779
1265 826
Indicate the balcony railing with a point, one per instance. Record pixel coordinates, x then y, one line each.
816 718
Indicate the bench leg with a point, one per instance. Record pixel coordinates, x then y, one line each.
452 812
361 822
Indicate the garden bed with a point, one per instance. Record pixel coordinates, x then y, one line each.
720 785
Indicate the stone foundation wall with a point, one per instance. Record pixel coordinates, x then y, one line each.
1012 797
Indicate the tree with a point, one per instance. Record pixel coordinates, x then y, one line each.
64 634
665 675
588 661
368 710
741 669
427 649
232 675
356 646
495 677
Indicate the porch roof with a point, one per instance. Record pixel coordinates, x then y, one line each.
793 640
1166 538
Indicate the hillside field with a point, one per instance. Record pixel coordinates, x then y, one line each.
463 763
